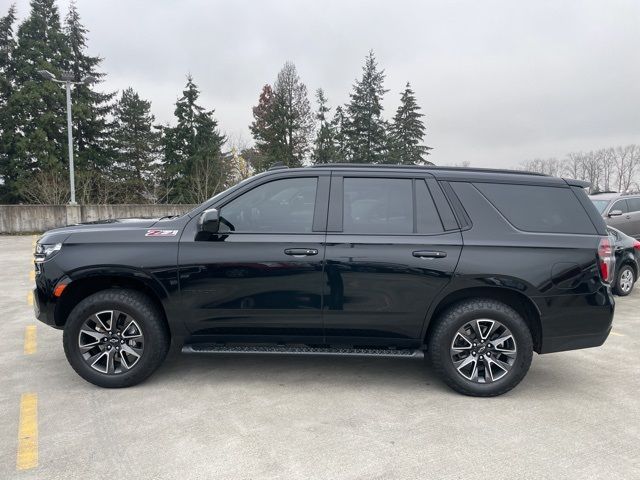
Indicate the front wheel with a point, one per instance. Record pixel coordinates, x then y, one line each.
115 338
481 347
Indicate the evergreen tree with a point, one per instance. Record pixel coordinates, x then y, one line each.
35 138
325 150
90 108
407 132
339 126
7 47
367 131
137 148
192 150
265 153
283 121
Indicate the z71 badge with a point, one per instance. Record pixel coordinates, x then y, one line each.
161 233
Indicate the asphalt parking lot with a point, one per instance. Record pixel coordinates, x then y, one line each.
576 414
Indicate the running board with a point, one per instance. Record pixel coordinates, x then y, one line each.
301 350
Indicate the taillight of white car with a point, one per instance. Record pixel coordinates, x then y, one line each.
606 259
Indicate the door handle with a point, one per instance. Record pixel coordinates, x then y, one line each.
429 254
300 252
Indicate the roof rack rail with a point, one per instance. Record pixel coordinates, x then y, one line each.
278 166
428 167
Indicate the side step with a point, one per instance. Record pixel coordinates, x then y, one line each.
301 350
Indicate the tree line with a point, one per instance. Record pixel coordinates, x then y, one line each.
123 156
607 169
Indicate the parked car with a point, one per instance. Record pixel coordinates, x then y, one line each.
627 252
620 210
480 268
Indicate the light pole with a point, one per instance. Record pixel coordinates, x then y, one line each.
67 79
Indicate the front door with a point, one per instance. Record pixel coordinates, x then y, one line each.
388 255
261 275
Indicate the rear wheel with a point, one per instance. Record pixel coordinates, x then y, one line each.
115 338
625 279
481 347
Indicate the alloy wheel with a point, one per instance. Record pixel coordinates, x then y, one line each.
483 350
111 342
626 280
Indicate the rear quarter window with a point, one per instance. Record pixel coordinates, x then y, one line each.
535 208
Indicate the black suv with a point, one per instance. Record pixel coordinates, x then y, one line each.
479 268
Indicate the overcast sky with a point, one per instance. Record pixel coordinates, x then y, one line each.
499 81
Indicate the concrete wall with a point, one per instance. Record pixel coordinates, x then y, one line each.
39 218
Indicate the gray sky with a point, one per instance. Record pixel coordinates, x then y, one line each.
499 81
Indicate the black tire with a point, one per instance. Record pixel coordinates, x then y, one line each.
625 269
456 317
149 320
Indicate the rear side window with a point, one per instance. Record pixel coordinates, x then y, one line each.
634 204
538 209
377 205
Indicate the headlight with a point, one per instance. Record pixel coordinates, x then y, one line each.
45 251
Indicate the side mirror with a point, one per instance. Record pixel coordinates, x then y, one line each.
615 213
209 221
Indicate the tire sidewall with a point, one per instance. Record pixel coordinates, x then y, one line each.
146 318
524 345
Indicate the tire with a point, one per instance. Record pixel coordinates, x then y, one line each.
491 314
625 279
141 346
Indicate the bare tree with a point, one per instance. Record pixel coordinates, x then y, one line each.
49 187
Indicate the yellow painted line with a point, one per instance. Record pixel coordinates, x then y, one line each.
30 298
30 340
35 240
27 457
618 334
32 275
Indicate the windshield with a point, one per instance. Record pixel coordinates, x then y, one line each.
600 204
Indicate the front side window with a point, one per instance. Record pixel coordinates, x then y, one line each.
620 205
378 206
280 206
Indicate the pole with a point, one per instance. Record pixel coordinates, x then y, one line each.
72 181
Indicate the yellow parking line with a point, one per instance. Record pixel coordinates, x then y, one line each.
35 240
32 275
28 432
618 334
30 298
30 340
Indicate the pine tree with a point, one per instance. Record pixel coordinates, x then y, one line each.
367 131
7 47
36 135
324 145
339 126
407 132
283 121
90 108
192 150
137 148
263 131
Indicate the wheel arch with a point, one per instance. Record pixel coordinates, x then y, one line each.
516 300
83 286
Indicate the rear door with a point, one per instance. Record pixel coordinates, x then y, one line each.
389 251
